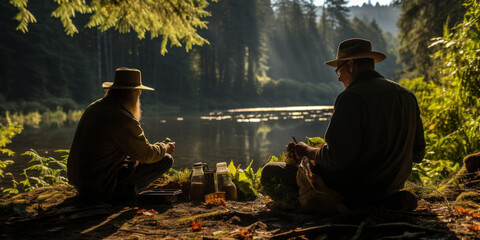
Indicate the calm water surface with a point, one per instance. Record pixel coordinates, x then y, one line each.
241 135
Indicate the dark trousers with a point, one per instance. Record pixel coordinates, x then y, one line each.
134 177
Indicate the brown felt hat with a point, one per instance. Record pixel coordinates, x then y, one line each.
355 48
126 78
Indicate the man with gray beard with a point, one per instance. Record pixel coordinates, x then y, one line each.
110 159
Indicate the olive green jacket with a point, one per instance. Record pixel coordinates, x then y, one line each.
373 137
106 134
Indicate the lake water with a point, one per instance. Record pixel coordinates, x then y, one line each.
241 135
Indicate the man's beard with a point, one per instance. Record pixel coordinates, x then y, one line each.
135 109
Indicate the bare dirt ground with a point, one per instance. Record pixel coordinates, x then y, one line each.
56 213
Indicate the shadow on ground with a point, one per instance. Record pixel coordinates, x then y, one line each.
56 213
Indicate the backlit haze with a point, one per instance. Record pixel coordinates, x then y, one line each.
358 2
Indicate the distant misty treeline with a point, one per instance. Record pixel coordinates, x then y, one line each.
386 16
261 53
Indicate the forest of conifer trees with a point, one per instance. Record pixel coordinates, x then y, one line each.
260 53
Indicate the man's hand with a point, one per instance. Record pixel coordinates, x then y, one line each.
170 147
291 159
301 150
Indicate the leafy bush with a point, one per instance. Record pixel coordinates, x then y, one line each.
450 106
178 175
7 132
44 171
431 172
247 181
315 141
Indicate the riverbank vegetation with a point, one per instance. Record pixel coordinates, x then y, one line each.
48 118
450 103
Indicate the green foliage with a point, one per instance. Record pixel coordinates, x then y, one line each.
315 141
451 128
34 119
420 21
432 172
247 181
4 164
43 172
24 16
175 20
179 175
13 190
7 132
459 53
450 106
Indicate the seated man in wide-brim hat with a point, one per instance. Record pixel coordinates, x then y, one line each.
110 158
374 135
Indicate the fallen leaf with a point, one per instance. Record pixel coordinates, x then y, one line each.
245 234
473 227
462 210
196 225
147 212
468 212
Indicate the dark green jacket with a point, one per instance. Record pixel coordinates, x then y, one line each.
373 137
106 134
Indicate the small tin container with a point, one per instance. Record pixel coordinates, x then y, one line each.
160 196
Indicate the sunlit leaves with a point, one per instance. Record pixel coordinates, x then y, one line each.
7 132
430 172
450 107
421 20
176 21
247 181
315 141
44 171
23 16
459 51
66 11
3 165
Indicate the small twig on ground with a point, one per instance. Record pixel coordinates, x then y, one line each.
314 230
401 226
359 231
141 232
257 225
406 235
188 220
411 213
110 218
387 227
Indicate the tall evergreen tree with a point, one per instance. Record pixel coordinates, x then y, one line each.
420 21
337 13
